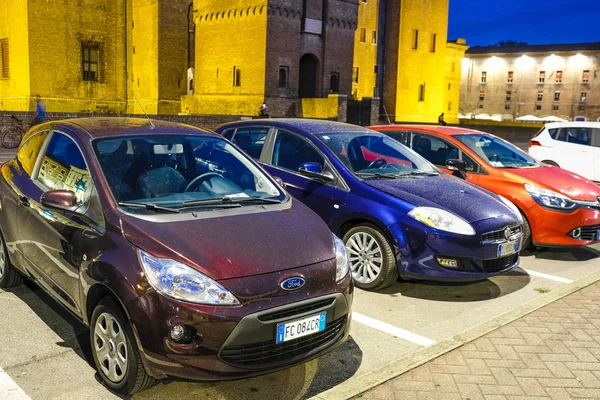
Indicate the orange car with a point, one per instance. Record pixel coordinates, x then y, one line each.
560 208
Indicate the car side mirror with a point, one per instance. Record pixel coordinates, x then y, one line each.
314 170
458 167
59 199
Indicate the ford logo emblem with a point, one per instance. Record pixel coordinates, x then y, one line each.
293 283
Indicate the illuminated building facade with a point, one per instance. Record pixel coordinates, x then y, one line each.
541 80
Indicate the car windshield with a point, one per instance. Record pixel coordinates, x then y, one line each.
371 155
497 152
175 171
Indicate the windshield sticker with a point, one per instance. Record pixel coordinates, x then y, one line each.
237 196
496 164
326 137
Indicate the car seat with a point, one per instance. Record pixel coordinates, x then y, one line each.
583 137
161 180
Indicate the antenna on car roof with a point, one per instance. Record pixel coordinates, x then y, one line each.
152 126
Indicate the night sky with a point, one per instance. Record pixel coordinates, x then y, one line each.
535 22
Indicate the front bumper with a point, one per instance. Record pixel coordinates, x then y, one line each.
476 257
238 342
554 228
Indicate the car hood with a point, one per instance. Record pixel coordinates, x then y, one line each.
447 192
236 244
557 179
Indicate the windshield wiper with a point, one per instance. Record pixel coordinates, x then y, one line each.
419 172
149 206
227 201
377 175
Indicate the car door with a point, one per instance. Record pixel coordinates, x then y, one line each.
574 150
437 151
54 242
288 152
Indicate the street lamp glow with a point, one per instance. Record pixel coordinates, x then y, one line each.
579 60
524 62
553 61
494 63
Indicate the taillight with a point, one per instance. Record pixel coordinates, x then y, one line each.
534 143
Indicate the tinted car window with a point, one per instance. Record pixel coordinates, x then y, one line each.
251 140
435 150
29 151
228 134
63 167
401 136
290 152
497 152
573 135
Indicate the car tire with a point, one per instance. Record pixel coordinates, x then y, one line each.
549 162
369 250
9 276
527 244
117 359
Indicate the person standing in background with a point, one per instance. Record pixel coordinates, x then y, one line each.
40 110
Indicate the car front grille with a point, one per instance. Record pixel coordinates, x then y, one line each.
498 264
288 312
498 236
269 353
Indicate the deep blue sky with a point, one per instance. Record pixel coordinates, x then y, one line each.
532 21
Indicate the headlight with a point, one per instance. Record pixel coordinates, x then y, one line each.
179 281
341 259
513 208
442 220
550 199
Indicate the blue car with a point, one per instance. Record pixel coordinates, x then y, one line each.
397 214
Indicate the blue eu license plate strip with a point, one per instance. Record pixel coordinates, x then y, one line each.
303 327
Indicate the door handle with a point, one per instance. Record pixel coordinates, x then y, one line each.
24 201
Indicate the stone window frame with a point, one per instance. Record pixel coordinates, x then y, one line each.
92 55
237 77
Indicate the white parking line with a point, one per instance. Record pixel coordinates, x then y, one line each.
546 276
392 330
9 390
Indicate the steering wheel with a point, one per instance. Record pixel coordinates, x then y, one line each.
380 162
199 179
494 157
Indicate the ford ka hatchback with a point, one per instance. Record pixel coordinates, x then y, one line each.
183 257
396 212
560 208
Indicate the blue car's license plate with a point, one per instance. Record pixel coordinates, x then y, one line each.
508 248
296 329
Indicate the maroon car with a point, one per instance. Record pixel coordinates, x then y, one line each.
181 254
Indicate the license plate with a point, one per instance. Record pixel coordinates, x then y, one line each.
508 248
597 235
296 329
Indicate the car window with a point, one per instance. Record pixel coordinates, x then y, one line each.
497 152
251 140
29 151
401 136
596 137
573 135
63 167
290 152
228 134
470 165
435 150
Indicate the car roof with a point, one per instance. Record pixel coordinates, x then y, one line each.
441 130
307 126
573 124
120 126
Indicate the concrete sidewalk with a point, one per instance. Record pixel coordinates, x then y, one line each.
551 353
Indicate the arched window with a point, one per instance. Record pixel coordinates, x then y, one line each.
422 92
237 77
282 81
334 82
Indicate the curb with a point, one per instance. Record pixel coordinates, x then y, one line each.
358 385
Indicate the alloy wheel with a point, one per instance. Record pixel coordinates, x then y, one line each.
110 346
365 256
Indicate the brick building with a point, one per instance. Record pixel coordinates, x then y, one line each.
541 80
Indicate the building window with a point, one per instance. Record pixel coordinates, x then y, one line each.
509 77
449 106
355 75
507 106
363 35
542 77
453 67
449 86
482 95
433 40
422 92
558 76
282 81
540 96
555 107
374 37
556 96
483 77
538 107
583 97
91 61
508 95
237 77
415 39
480 105
581 107
334 82
585 78
4 72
